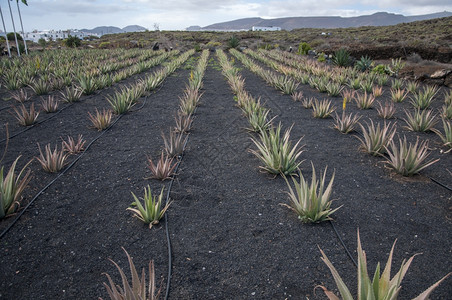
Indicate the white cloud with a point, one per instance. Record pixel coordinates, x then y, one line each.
179 14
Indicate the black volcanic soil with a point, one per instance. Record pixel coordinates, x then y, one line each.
230 236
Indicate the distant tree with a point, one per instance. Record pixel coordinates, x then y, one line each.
42 42
10 36
233 42
72 41
303 48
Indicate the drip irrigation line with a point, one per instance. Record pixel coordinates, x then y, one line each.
73 163
168 238
439 183
429 177
59 175
343 244
37 123
45 120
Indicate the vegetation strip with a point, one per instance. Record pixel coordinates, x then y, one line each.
152 212
377 280
89 87
167 71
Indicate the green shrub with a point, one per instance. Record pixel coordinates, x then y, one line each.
342 58
381 69
72 42
303 48
42 42
321 57
104 45
233 42
10 36
364 64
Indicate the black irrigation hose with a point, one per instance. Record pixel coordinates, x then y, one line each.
37 123
439 183
42 121
56 178
168 239
431 178
343 244
72 164
339 237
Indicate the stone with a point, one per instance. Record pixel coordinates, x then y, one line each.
448 81
440 74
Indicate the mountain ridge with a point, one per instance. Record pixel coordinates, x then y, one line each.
289 23
101 30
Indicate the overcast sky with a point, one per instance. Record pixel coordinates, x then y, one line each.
178 14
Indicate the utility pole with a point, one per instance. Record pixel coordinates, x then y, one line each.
22 26
6 36
14 28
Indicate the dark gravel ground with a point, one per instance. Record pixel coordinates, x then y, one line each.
230 236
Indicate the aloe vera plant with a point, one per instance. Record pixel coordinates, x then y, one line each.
421 121
183 123
364 101
163 169
152 209
447 137
12 187
408 159
73 146
375 138
138 289
322 109
386 111
174 143
101 120
277 154
259 121
381 286
52 161
423 99
311 202
24 116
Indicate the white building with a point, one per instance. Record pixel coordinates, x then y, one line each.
264 28
53 35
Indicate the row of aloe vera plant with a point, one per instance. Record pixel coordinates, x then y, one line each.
55 70
54 160
370 83
305 199
420 119
87 85
153 207
276 152
405 158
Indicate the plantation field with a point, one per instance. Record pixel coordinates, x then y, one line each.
225 234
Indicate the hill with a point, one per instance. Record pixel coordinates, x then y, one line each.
101 30
377 19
